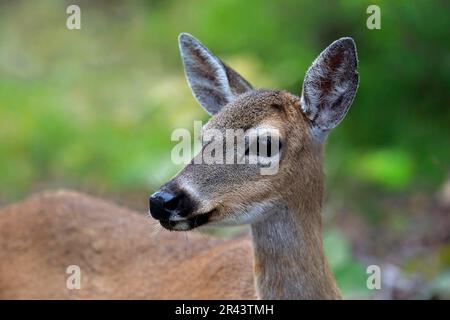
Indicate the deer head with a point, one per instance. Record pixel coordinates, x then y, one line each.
203 193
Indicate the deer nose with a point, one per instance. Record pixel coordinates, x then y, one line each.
162 204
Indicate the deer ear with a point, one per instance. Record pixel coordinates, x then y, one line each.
213 83
330 86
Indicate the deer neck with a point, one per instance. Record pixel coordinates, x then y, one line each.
289 262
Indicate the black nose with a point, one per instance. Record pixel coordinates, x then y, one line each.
163 203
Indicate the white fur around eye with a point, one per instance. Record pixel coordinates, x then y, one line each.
259 135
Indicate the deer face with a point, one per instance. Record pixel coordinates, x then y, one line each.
271 127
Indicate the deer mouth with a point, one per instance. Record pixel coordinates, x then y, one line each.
186 224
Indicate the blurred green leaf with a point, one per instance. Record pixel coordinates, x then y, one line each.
390 168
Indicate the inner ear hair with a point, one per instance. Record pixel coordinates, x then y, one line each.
213 83
330 86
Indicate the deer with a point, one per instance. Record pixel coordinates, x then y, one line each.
282 257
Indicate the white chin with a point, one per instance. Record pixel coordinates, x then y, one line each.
182 226
254 213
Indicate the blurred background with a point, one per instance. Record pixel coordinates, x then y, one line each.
93 110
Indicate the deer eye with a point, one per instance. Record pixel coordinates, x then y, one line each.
263 143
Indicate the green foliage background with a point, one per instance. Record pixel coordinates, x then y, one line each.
93 109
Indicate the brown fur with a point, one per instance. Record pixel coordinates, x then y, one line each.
117 253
